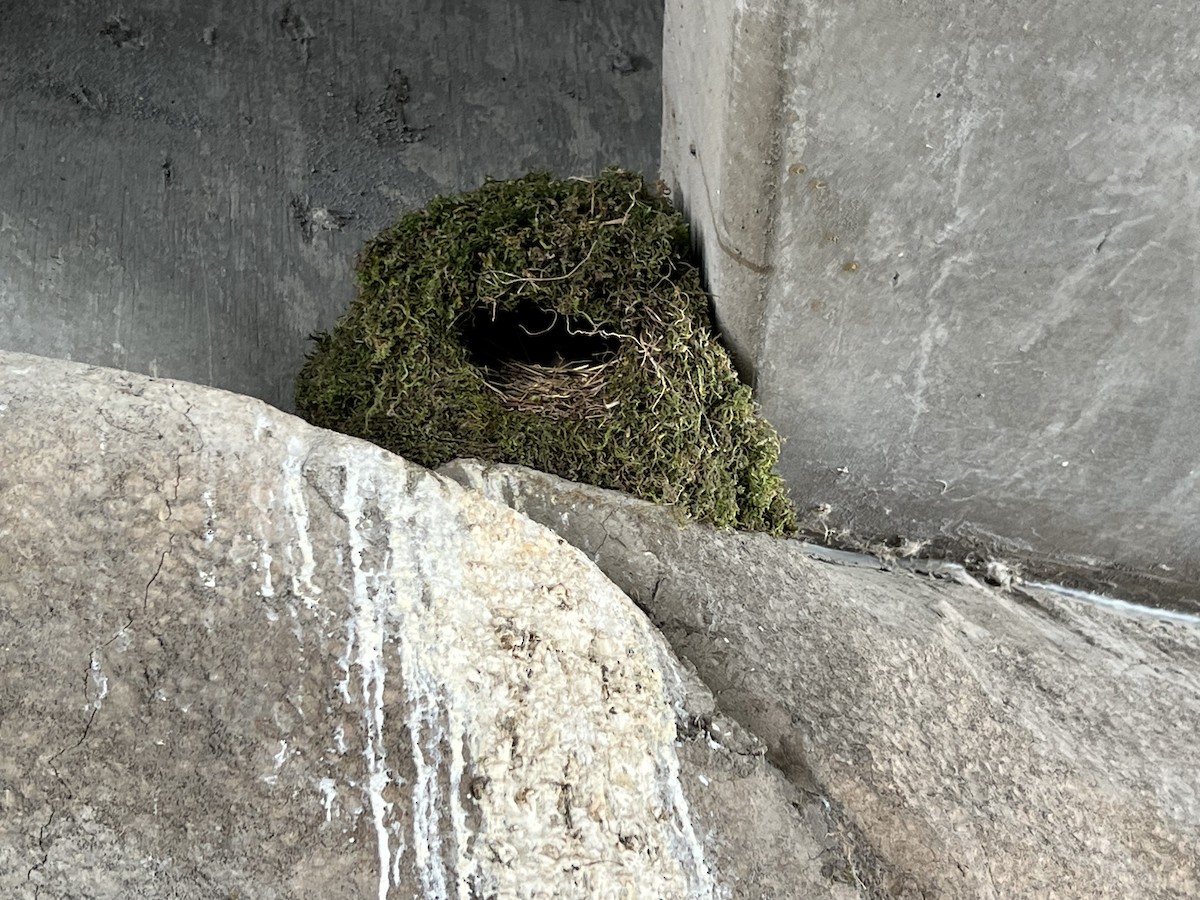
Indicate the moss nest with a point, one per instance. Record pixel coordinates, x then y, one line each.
557 325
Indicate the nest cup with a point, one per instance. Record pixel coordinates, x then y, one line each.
556 324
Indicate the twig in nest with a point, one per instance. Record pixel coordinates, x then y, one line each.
568 391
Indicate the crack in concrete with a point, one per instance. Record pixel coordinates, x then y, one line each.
187 414
116 426
36 867
332 504
161 560
170 501
604 543
111 424
120 631
50 761
658 581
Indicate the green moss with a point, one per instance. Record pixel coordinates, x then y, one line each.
445 351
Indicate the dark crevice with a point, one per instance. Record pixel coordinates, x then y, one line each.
532 336
45 857
68 794
161 560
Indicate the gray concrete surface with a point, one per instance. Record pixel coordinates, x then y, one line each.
183 187
983 743
243 657
956 248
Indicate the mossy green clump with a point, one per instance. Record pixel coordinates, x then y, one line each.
557 325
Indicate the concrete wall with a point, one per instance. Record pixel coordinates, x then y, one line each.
183 187
957 246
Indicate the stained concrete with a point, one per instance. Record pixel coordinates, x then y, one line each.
241 656
183 187
955 246
974 742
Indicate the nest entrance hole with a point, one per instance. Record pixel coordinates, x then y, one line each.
533 336
542 361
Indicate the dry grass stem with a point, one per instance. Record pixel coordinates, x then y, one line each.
570 390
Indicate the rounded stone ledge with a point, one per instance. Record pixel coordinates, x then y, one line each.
971 741
241 656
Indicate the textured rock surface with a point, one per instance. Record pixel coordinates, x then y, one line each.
985 744
240 656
